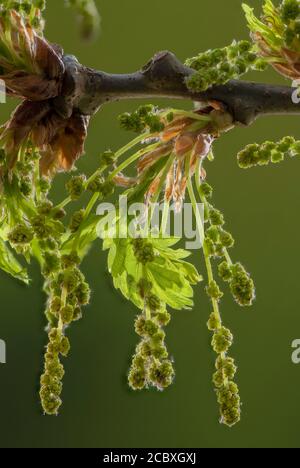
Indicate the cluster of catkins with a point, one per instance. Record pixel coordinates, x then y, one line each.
151 365
227 390
67 292
216 244
35 225
242 288
268 152
33 217
79 184
218 66
65 286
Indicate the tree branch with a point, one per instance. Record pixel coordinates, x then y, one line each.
165 76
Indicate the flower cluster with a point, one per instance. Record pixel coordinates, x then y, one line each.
151 365
144 118
217 241
143 251
51 385
70 281
240 282
78 184
103 188
268 152
227 390
216 237
216 67
216 244
67 293
34 228
107 159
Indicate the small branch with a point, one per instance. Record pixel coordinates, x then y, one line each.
165 76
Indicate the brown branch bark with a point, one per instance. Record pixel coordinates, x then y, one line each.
165 76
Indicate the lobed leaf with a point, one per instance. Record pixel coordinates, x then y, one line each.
171 277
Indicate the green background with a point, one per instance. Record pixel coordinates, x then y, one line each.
262 210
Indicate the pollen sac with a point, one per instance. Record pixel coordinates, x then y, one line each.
222 340
242 286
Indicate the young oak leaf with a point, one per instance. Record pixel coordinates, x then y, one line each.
117 256
34 69
276 36
171 277
31 67
126 284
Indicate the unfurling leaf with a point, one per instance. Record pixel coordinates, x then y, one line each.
29 65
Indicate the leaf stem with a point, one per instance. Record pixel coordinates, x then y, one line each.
118 154
88 210
196 211
64 295
163 175
201 231
165 218
131 160
204 201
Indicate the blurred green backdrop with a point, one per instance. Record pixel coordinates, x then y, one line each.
261 206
